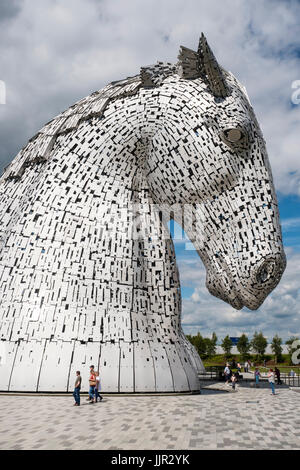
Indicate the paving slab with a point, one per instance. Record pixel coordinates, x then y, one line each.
248 418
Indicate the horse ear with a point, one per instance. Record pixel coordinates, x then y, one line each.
211 70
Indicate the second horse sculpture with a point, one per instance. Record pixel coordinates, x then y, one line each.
88 271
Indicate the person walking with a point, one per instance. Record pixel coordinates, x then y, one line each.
76 393
227 374
233 381
98 388
271 379
92 382
239 368
246 365
277 373
257 377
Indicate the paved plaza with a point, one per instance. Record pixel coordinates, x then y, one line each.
246 419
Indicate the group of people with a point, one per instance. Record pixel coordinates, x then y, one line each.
233 377
230 376
238 366
94 387
271 377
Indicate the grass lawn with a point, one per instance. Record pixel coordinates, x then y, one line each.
284 367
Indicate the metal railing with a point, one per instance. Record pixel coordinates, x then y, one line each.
211 373
290 380
216 373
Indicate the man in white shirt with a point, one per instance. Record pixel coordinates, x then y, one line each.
227 374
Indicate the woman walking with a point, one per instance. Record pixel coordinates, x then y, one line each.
92 382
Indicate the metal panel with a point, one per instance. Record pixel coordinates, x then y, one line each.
27 366
144 375
84 356
55 366
8 354
191 373
180 380
163 375
109 367
126 367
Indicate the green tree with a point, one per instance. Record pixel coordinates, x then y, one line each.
214 340
200 344
209 349
277 348
244 346
211 344
259 344
291 349
227 346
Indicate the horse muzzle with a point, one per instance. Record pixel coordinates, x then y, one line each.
249 288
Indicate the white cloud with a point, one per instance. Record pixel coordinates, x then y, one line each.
54 52
290 224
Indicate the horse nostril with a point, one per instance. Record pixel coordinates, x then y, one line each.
265 272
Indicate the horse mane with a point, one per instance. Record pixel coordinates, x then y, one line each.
40 146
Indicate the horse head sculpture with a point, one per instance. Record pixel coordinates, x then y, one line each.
218 169
88 271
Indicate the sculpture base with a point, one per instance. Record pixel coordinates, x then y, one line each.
137 367
105 395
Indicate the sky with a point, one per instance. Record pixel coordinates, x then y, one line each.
54 52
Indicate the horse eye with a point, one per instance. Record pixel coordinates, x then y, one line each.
233 135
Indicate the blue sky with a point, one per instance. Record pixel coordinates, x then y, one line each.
289 207
53 52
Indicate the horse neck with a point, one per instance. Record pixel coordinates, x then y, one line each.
78 237
140 269
129 257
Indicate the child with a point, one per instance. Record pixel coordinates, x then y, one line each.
98 388
257 376
233 381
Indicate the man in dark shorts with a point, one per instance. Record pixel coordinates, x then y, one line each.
76 393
